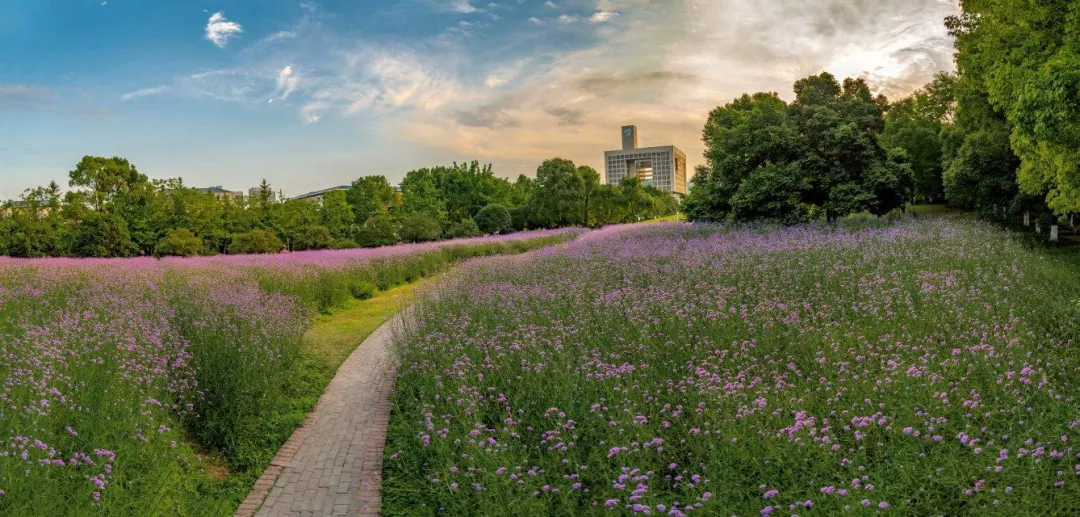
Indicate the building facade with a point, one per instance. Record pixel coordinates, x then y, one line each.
256 192
663 167
223 194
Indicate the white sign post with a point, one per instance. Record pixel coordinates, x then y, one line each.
1027 219
1053 233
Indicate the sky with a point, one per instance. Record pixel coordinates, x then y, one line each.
316 93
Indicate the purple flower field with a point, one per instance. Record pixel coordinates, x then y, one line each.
921 368
111 368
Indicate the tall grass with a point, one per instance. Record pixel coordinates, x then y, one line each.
129 384
925 367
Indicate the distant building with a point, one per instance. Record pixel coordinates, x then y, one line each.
317 196
220 193
256 192
662 167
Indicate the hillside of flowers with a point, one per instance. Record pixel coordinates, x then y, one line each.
122 376
925 367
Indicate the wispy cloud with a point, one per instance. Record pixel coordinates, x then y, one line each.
219 30
287 80
25 96
144 93
603 16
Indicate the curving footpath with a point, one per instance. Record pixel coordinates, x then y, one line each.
333 464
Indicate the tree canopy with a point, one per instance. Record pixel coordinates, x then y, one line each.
819 156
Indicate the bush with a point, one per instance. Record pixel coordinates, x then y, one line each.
494 218
315 238
461 229
378 230
255 241
362 290
519 218
179 243
101 235
345 244
420 228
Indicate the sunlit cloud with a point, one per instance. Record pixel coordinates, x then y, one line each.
219 30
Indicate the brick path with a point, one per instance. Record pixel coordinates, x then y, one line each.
333 464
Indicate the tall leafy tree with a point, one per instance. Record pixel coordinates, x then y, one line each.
915 125
590 181
1023 58
818 156
370 196
559 194
337 215
104 178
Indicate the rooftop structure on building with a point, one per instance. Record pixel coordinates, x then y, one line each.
663 167
317 196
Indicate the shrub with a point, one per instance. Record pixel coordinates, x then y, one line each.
345 244
519 218
255 241
420 228
494 218
461 229
101 235
315 238
362 290
378 230
179 243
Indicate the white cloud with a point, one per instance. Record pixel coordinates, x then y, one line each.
144 93
463 6
551 4
287 81
280 35
602 16
567 18
219 30
536 21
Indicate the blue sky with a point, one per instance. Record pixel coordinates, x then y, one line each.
316 93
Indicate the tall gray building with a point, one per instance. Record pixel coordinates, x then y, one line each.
663 167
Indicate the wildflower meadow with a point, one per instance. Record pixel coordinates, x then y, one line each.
163 387
922 367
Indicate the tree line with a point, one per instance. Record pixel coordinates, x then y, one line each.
1000 135
113 210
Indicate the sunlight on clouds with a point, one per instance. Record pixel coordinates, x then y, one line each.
220 30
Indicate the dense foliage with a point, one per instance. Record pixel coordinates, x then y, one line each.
819 156
113 210
921 368
164 387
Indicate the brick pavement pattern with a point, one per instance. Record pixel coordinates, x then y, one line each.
332 465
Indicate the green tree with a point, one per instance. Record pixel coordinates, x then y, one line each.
1022 60
465 228
378 230
915 124
494 219
420 228
101 235
315 238
293 219
257 241
590 181
820 155
609 207
104 178
559 194
370 196
179 243
337 215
